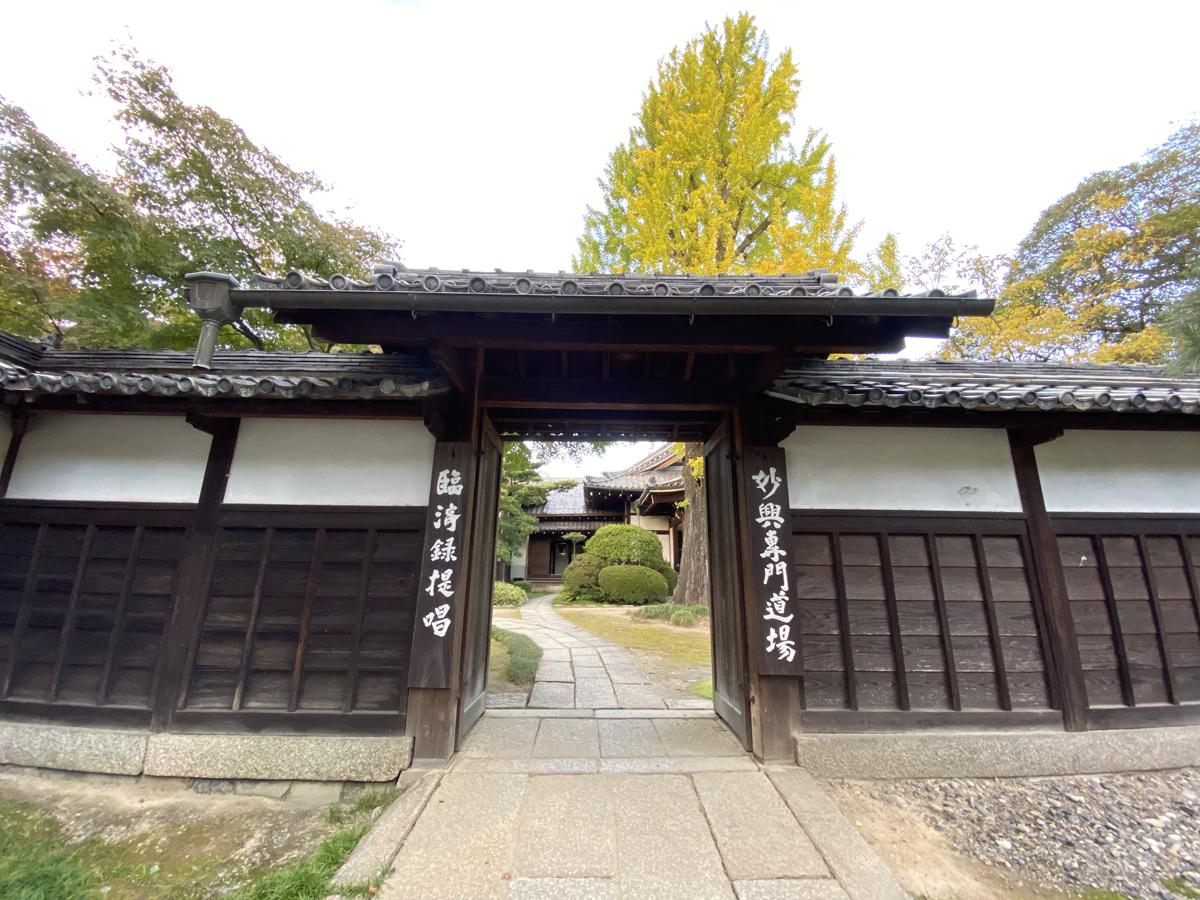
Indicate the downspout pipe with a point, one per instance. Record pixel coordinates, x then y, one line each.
209 298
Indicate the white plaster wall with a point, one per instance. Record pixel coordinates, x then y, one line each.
130 459
335 462
657 524
520 560
1121 471
856 467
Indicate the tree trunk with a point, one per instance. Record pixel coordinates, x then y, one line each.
693 564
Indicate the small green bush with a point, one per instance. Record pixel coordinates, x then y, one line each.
667 572
583 595
684 618
523 656
582 572
505 594
665 611
633 584
619 544
523 585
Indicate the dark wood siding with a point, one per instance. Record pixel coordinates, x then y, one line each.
85 596
304 619
539 557
918 613
1134 599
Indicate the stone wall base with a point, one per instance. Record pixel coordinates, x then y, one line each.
993 754
220 757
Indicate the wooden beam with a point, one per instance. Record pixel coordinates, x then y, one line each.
609 394
20 424
451 364
1060 626
765 371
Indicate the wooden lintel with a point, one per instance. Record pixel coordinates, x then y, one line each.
612 394
212 425
1032 437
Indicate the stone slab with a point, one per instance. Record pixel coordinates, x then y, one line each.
790 889
690 703
529 766
501 736
380 845
626 675
462 844
562 889
555 671
77 749
507 700
697 737
315 793
552 695
654 714
638 696
629 737
595 693
548 713
946 754
275 790
680 864
566 828
567 738
680 764
757 836
266 757
850 858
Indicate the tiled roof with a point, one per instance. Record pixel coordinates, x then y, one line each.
390 276
27 368
563 526
635 482
988 385
566 501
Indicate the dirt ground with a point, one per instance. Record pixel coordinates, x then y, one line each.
174 842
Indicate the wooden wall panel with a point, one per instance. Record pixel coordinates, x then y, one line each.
918 613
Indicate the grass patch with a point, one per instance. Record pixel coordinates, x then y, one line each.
688 647
523 656
308 878
1182 887
701 688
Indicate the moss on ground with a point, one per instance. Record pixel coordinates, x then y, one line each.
681 645
519 657
701 688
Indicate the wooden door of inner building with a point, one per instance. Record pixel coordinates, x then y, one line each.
730 678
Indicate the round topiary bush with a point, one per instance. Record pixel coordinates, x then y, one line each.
665 570
505 594
582 572
684 618
633 584
618 544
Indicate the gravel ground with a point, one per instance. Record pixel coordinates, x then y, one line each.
1131 834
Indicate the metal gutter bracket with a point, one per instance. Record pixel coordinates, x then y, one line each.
208 296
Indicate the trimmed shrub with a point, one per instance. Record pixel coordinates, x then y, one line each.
593 594
582 572
665 611
523 656
667 572
505 594
619 544
524 585
633 584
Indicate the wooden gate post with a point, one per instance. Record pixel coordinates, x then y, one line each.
1065 666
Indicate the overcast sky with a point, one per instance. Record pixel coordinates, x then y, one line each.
475 132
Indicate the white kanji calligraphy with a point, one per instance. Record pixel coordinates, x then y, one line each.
772 550
438 620
770 570
770 514
440 583
763 480
449 481
778 641
446 518
776 607
443 550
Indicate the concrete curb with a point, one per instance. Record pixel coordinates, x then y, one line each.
268 757
100 750
380 845
1006 754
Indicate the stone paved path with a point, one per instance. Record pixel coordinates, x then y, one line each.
542 804
580 670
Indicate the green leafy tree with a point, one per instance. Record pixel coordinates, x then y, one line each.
520 488
99 257
709 179
1103 269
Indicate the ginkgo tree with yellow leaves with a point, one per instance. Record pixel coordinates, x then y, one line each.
710 180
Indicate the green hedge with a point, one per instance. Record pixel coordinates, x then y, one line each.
523 656
667 572
633 584
505 594
618 544
582 572
523 585
668 611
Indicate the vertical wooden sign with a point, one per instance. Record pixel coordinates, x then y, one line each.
768 514
442 582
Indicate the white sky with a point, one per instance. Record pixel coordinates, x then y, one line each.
475 132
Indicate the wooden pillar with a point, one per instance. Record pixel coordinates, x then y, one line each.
1060 627
181 634
774 697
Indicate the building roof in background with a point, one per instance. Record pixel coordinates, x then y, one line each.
991 385
27 368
